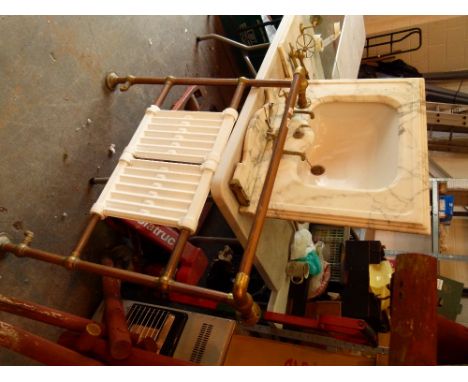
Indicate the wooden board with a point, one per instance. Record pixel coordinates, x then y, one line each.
250 351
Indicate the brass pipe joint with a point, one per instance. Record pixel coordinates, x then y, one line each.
129 81
162 284
28 238
242 80
113 79
251 316
170 80
70 261
243 302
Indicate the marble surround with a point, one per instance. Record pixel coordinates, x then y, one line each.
399 202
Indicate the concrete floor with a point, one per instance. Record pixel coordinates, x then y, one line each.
56 124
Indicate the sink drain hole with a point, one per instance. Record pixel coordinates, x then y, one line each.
317 170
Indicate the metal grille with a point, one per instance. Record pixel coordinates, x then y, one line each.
334 238
200 344
155 329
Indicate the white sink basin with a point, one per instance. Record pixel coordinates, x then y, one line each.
356 145
360 162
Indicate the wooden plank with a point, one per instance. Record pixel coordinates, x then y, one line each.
414 316
454 240
250 351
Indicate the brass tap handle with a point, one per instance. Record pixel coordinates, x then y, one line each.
303 84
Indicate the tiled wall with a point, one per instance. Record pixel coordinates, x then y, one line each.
444 44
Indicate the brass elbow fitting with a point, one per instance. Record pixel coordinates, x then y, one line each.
243 302
28 238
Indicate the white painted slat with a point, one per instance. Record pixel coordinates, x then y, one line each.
164 174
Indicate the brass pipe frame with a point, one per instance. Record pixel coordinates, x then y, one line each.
76 253
239 299
121 274
174 259
112 80
242 299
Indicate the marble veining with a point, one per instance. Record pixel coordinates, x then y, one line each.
370 138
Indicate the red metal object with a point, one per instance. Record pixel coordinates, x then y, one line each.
193 261
120 344
348 329
414 311
188 101
194 301
45 314
452 342
138 356
41 349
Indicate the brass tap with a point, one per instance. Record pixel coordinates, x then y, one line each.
302 97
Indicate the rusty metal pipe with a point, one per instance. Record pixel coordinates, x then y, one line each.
76 253
176 254
44 314
120 344
138 357
41 349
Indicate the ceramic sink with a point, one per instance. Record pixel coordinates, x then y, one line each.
360 158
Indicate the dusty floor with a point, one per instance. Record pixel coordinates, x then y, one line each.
56 124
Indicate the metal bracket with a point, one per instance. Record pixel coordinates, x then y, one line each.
332 344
